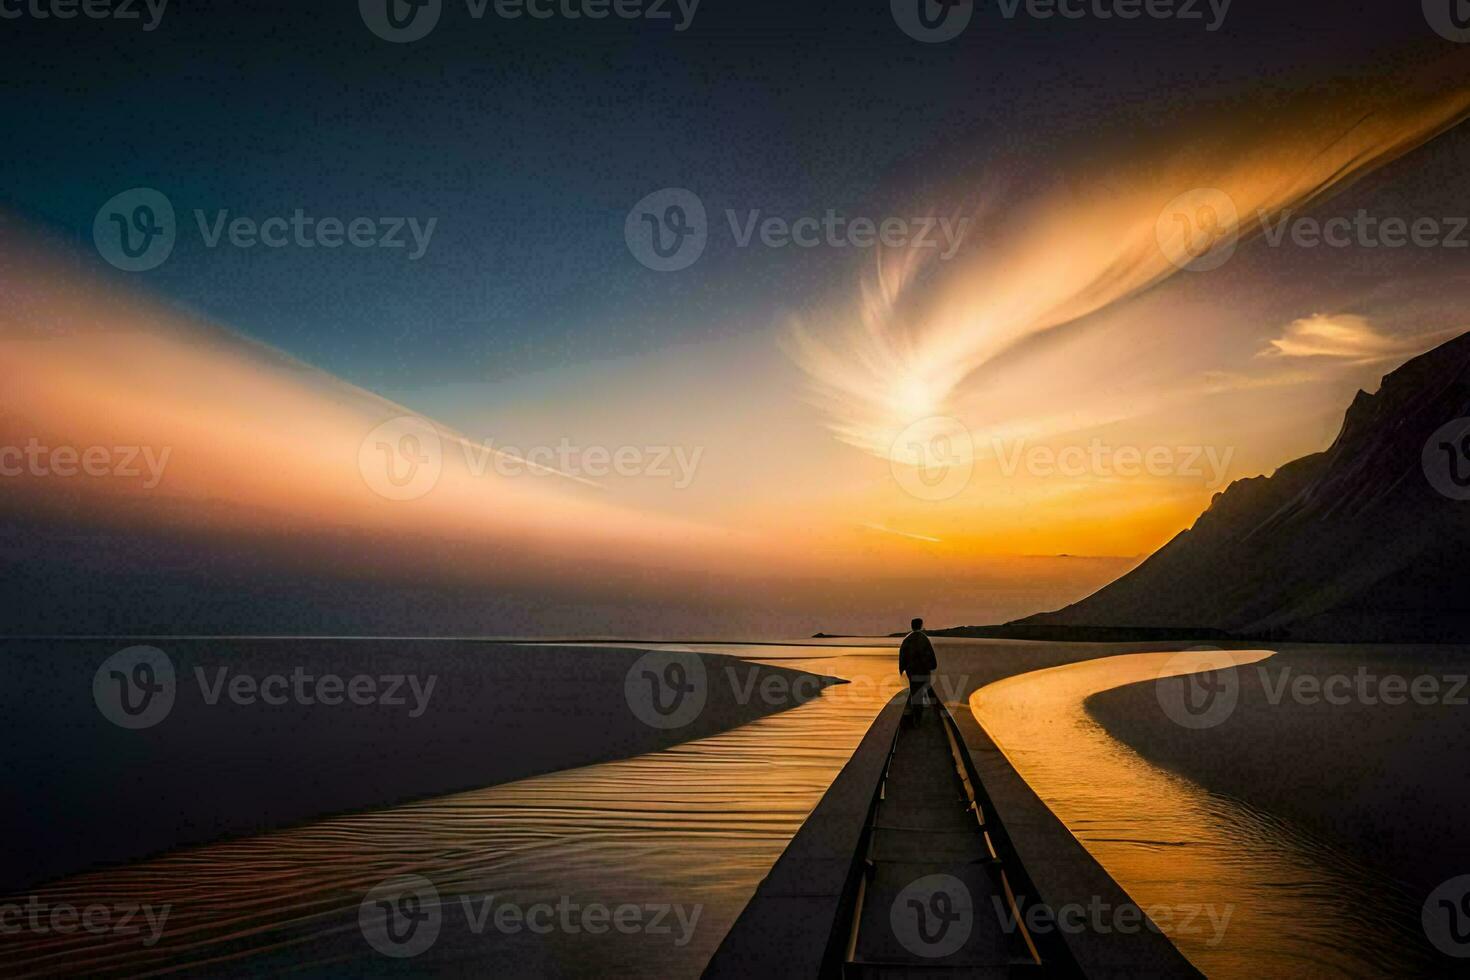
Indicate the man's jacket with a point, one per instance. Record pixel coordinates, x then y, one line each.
916 655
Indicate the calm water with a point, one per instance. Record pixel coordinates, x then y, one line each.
1296 906
693 829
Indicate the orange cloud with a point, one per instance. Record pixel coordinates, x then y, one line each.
1350 338
254 442
921 327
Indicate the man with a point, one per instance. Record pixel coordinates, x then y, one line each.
916 659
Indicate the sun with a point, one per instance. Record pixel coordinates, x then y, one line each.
913 399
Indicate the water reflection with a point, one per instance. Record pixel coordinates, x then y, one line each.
1296 906
694 827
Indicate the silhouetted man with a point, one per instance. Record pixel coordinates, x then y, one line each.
916 659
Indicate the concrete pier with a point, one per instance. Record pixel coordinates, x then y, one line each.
920 863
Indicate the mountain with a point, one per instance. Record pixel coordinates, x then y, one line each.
1354 543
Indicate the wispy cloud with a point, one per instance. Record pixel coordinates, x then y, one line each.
1348 338
1220 382
1046 256
902 534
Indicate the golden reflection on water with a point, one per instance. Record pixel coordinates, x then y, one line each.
698 824
1295 905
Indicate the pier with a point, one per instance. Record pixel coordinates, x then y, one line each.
919 862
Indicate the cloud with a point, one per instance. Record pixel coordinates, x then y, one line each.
1349 338
912 343
1221 382
262 447
902 534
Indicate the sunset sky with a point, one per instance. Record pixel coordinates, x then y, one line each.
1085 394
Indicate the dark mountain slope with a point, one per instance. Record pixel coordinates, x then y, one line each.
1354 543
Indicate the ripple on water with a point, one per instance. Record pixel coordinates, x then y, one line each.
698 824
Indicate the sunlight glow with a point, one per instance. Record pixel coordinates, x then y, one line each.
1072 248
